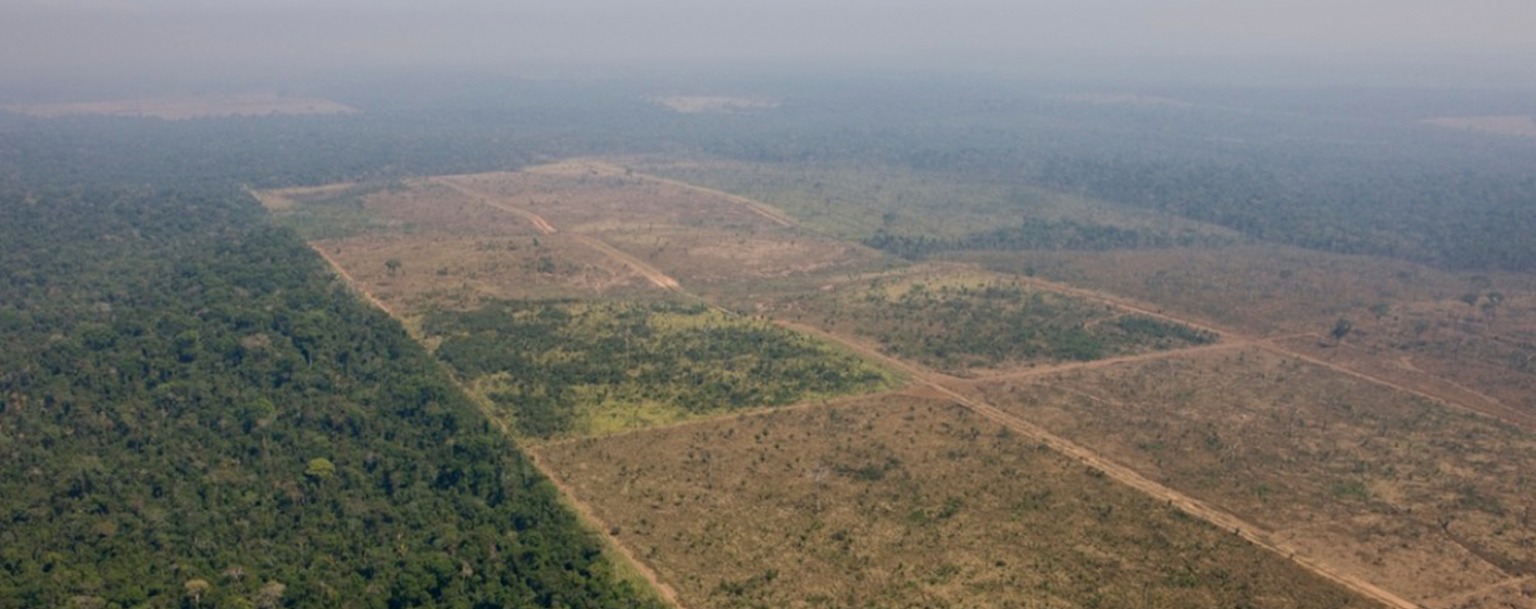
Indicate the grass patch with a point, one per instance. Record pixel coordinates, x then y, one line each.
573 368
968 323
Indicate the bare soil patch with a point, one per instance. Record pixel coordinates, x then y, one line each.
903 501
570 229
696 236
452 272
1420 499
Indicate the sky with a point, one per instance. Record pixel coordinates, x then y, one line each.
82 37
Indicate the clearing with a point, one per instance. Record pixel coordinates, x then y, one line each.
906 501
1380 483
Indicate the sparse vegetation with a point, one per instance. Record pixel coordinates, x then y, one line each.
962 324
900 501
1384 482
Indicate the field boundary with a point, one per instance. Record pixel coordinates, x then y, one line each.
583 512
1125 475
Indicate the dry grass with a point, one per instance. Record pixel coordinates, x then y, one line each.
1258 290
855 201
902 501
1419 499
572 229
452 272
699 237
1476 350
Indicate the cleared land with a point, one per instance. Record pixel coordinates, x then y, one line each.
423 246
858 202
183 108
568 230
1418 498
1256 290
904 501
549 293
1468 339
1477 350
1349 454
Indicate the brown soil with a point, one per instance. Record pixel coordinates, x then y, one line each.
904 501
1325 464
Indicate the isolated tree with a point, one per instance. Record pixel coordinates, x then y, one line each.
320 468
393 264
1342 328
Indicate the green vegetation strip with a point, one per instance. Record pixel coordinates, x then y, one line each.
571 368
961 326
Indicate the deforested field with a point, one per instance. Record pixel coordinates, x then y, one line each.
906 501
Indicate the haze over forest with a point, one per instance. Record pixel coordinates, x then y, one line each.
1413 42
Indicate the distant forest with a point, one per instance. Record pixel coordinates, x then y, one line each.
1341 170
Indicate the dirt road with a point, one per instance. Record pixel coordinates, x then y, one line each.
1120 473
536 220
353 284
652 274
583 511
1490 408
758 207
596 522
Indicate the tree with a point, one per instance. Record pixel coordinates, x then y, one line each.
1342 328
270 595
196 588
319 469
393 264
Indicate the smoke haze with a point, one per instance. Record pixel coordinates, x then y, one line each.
1485 41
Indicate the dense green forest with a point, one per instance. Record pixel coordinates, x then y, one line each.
550 361
195 414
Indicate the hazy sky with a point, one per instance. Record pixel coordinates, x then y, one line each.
41 36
